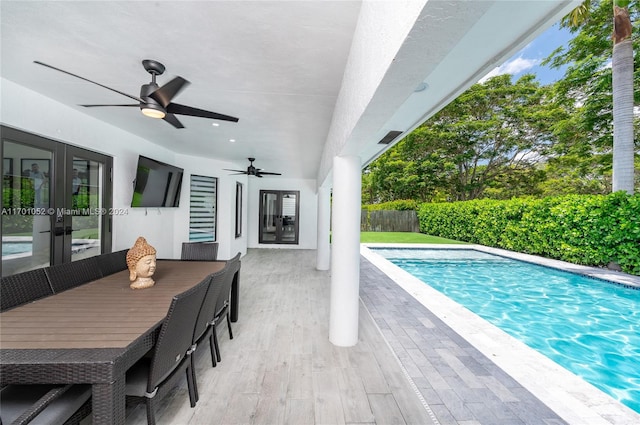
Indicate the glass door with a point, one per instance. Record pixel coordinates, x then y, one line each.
27 197
56 202
85 195
279 212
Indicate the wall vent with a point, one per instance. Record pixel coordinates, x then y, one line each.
390 137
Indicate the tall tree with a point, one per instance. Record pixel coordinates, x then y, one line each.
487 142
622 71
588 75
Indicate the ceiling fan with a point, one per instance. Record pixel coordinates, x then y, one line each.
253 171
155 101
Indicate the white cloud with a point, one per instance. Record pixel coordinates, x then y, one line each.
513 67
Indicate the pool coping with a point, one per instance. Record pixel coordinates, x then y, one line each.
568 395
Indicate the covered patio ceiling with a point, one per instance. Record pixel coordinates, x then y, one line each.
308 80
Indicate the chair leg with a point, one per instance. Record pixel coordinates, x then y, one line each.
191 384
151 416
215 342
212 348
229 326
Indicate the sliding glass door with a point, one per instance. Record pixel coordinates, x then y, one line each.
56 201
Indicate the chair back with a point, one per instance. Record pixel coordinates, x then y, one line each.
23 287
199 251
232 267
208 310
69 275
176 333
113 262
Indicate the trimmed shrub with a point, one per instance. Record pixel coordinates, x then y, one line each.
592 230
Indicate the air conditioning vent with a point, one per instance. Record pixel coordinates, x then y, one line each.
390 137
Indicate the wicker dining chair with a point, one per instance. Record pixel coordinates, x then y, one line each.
203 331
199 251
113 262
44 404
23 287
223 304
69 275
151 378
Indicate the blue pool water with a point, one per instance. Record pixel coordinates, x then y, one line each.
9 248
589 326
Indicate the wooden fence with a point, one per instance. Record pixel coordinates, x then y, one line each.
389 221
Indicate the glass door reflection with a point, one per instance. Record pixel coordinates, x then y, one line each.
279 211
26 202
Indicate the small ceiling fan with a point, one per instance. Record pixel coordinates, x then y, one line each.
155 101
253 171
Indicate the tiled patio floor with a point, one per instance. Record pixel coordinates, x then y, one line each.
409 366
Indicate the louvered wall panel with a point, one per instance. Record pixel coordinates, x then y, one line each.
203 209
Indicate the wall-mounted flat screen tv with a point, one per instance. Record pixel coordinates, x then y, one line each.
157 184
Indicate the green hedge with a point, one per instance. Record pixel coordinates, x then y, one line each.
593 230
399 205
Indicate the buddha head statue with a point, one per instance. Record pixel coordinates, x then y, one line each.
141 261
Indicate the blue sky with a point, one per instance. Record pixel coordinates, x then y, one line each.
527 60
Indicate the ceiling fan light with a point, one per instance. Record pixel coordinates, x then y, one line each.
153 111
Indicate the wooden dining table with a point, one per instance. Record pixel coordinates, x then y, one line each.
93 333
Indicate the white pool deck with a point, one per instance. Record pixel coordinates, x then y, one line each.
572 398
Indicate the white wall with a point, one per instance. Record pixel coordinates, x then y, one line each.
164 228
308 235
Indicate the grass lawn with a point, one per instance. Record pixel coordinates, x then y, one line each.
402 237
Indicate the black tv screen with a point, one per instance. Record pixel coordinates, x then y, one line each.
157 184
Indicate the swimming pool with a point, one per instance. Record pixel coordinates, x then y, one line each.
589 326
10 248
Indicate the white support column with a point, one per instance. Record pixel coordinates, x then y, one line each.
345 251
323 253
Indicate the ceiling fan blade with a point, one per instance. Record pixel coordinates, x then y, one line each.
177 109
164 94
171 119
237 171
137 105
266 173
86 79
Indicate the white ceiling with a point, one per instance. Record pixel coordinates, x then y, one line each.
279 66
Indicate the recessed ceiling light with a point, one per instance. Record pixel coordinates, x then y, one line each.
215 124
232 140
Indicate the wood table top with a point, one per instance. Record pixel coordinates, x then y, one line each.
104 313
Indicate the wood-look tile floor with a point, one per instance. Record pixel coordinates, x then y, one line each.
280 368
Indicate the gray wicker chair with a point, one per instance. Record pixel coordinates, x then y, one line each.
23 287
113 262
222 306
199 251
69 275
44 404
203 331
152 377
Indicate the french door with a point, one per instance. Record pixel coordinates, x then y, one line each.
55 202
279 216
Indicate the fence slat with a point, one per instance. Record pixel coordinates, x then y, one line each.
389 221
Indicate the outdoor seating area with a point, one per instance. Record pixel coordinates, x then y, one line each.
120 332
